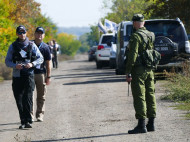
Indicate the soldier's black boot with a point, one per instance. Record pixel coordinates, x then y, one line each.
150 126
140 128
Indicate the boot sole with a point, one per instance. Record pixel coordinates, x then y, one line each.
139 132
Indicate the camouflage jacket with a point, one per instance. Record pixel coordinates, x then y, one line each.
135 47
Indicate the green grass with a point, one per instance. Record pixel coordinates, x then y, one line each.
178 90
1 79
185 107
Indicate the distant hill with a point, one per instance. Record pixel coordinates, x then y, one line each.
78 31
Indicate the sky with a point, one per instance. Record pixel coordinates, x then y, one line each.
69 13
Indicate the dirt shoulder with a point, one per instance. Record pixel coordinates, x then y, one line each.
84 104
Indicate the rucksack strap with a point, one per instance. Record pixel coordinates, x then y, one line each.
147 37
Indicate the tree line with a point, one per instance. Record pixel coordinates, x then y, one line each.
123 10
28 13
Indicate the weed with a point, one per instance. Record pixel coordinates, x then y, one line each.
178 88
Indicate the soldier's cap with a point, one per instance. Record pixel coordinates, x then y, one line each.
19 28
40 29
138 17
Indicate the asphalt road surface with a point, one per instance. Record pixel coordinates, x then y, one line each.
84 104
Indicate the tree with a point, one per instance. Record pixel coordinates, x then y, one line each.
7 30
21 12
123 10
28 13
170 9
84 44
69 44
93 36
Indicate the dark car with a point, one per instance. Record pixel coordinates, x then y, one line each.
171 41
91 53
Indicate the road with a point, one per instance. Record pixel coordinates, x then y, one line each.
84 104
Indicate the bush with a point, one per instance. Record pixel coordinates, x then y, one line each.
179 85
178 89
5 72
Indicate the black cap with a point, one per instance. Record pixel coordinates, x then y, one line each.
40 29
138 17
19 28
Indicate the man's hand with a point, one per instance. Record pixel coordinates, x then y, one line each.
48 80
128 78
19 66
28 65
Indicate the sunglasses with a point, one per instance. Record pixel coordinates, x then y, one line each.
20 33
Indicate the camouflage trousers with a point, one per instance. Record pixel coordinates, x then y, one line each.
143 91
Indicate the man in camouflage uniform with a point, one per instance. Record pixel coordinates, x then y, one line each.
142 79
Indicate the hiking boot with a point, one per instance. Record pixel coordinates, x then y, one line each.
28 125
150 126
140 128
22 126
40 119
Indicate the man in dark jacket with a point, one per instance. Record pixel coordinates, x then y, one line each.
23 56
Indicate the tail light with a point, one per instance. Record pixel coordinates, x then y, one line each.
187 46
100 47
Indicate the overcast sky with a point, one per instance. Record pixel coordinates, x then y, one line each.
68 13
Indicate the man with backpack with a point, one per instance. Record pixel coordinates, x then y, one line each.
141 75
23 56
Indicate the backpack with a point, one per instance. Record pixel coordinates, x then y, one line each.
150 58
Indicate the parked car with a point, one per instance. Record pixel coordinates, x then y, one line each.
103 50
171 41
91 53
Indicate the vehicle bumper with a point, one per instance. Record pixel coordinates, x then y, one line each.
103 58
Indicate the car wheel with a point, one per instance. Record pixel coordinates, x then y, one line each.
98 65
112 65
119 72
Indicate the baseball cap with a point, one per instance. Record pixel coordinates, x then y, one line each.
138 17
40 29
19 28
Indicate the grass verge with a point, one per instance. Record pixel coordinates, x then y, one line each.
178 89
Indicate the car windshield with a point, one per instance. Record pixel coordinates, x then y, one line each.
107 39
170 29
